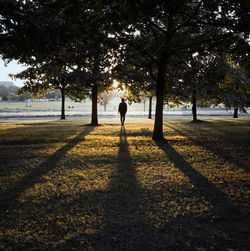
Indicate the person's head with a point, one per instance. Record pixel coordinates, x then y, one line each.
123 99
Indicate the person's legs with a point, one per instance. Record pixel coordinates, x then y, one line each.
123 118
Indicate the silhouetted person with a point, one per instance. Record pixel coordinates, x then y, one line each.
122 110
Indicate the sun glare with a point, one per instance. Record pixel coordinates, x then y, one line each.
115 83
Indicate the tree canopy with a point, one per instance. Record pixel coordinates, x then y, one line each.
151 41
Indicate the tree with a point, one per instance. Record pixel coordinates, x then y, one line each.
8 92
164 31
38 32
59 32
234 90
238 65
4 92
158 33
45 78
197 81
106 97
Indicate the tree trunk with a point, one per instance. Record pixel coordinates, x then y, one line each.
160 87
236 105
94 120
194 106
150 108
96 71
235 112
105 106
63 103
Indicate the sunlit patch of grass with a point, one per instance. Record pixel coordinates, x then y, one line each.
219 150
72 186
170 193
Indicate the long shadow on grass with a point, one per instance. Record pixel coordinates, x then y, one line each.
223 208
224 224
125 224
226 155
35 176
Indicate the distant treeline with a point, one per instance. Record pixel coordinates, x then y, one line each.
10 93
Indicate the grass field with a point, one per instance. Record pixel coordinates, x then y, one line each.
65 185
69 106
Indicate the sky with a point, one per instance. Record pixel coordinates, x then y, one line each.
12 67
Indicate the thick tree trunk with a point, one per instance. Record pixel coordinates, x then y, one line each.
150 108
63 104
194 106
235 112
94 120
160 88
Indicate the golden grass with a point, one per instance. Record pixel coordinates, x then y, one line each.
67 185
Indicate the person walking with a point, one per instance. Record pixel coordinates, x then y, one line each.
122 110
